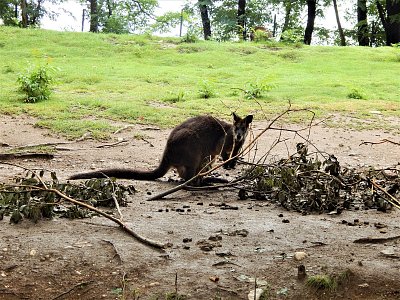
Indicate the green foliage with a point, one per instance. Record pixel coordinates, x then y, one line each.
206 90
355 94
261 36
170 20
322 282
191 36
116 24
35 84
175 296
255 90
27 199
175 97
292 36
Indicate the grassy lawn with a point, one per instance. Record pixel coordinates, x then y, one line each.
103 78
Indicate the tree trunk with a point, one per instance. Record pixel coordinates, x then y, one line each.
275 27
94 18
393 22
24 14
16 10
311 13
341 34
288 11
205 19
109 7
241 17
362 23
381 13
36 13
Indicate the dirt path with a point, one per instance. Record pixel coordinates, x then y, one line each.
92 259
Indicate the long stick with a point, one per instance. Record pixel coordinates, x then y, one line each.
124 227
393 201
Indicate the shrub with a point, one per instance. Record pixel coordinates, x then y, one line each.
35 84
256 89
191 36
355 94
322 282
206 90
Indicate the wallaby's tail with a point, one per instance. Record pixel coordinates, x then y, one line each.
160 171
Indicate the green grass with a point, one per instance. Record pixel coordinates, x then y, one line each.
106 77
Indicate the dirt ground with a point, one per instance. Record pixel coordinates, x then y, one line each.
216 253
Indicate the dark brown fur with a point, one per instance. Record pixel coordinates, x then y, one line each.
189 146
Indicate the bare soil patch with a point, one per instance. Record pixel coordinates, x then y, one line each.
93 259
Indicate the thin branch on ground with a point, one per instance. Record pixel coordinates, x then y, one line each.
381 142
79 285
35 155
112 144
392 200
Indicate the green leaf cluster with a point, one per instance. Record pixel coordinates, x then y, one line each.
28 199
36 84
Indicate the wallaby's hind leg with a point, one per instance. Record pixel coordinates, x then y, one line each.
187 173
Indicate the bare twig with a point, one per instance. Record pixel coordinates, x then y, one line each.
119 259
376 240
112 144
380 142
79 285
122 128
393 200
10 156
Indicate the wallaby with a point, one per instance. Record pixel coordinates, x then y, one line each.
190 146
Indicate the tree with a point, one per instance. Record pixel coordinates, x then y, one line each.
390 18
312 10
362 23
340 29
120 16
205 19
94 16
392 22
25 13
9 12
288 10
241 19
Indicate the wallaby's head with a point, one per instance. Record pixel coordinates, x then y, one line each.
240 127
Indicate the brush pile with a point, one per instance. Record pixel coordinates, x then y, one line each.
314 182
27 198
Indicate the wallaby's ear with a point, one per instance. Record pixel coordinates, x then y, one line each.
249 119
236 118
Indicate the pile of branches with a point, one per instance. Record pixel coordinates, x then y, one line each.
311 182
27 198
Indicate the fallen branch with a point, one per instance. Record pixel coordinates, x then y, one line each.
380 142
79 285
119 259
112 144
122 128
123 226
11 156
376 240
392 200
